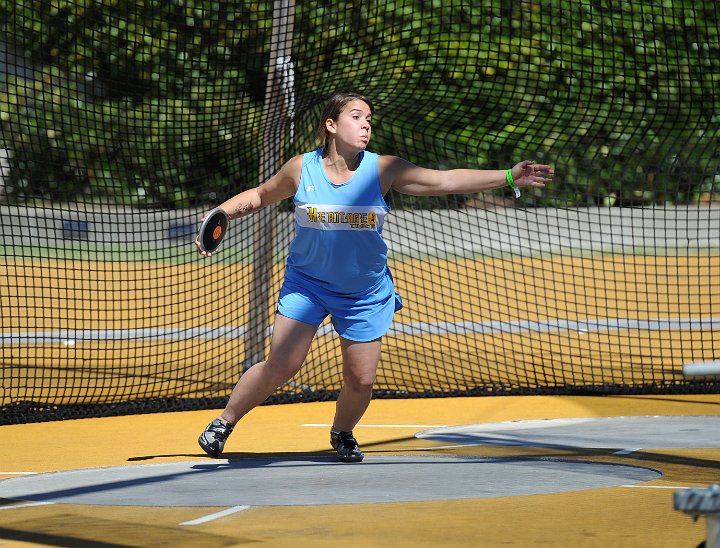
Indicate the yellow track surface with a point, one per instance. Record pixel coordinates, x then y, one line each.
619 516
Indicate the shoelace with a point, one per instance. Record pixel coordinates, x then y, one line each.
349 442
221 429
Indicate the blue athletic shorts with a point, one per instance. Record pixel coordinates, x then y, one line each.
361 318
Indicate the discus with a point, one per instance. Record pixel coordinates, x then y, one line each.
212 230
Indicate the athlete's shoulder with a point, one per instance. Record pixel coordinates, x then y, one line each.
389 159
294 164
392 164
289 174
389 169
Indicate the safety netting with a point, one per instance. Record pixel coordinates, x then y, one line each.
122 123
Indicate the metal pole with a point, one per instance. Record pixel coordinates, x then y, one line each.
702 502
277 111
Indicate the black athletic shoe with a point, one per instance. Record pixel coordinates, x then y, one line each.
346 446
213 438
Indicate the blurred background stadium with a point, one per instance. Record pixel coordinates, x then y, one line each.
121 123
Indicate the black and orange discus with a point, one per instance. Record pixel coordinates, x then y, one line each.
212 230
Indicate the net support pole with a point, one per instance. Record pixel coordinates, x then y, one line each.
278 111
702 502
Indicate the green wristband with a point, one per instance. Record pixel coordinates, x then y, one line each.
511 182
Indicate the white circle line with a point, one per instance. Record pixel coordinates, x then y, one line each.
216 515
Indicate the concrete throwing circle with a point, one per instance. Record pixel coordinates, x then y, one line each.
314 481
599 433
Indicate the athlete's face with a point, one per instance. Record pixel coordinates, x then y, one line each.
353 126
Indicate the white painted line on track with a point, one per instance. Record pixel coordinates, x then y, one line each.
71 337
17 473
656 486
216 515
433 448
460 446
385 425
627 451
25 505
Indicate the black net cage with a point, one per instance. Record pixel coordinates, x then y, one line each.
122 123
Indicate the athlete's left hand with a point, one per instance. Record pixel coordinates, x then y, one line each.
528 173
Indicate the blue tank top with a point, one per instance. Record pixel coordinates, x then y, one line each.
338 241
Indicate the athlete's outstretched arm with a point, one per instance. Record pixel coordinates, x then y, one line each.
280 186
407 178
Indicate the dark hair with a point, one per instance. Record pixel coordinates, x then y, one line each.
335 106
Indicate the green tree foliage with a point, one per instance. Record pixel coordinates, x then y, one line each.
141 102
620 96
159 102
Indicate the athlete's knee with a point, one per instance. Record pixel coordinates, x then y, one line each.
359 383
281 371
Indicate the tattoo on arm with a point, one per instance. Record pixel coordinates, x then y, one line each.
243 209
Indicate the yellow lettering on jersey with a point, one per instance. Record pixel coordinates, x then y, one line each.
355 220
